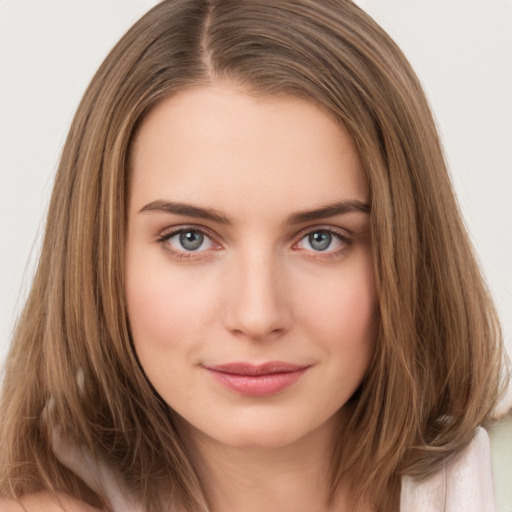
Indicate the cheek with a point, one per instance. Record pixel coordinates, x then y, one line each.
346 306
168 316
356 313
343 319
166 310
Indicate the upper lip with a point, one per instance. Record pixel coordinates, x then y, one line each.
241 368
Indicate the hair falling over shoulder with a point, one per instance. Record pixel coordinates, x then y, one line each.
437 372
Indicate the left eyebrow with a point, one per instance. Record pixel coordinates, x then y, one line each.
329 210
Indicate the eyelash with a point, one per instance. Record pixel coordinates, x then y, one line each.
163 240
344 240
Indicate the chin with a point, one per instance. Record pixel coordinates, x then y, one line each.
260 440
263 432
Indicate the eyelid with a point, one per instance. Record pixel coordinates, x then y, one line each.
341 232
166 234
343 235
174 230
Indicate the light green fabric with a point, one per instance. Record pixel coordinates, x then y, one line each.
500 435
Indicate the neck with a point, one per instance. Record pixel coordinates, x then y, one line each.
251 479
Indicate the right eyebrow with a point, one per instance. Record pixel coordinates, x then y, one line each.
186 209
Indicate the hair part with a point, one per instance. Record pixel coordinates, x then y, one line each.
436 372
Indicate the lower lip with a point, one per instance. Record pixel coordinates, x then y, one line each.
258 385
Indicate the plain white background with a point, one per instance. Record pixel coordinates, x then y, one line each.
49 50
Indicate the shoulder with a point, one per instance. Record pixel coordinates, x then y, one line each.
501 449
469 477
463 484
46 502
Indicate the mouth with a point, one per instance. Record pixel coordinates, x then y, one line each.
257 380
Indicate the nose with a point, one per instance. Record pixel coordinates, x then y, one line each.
257 305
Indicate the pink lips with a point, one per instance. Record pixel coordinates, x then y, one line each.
257 380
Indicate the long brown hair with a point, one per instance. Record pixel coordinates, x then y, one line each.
436 372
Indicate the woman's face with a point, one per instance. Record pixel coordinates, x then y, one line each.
250 286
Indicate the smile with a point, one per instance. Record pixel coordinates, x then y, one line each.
261 380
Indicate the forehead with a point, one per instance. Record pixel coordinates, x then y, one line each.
225 147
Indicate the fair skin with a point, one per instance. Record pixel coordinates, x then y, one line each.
46 502
251 285
248 245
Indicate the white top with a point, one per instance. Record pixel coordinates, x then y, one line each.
464 485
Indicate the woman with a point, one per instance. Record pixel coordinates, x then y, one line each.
255 289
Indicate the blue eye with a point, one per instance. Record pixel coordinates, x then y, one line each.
323 240
320 241
191 240
187 240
